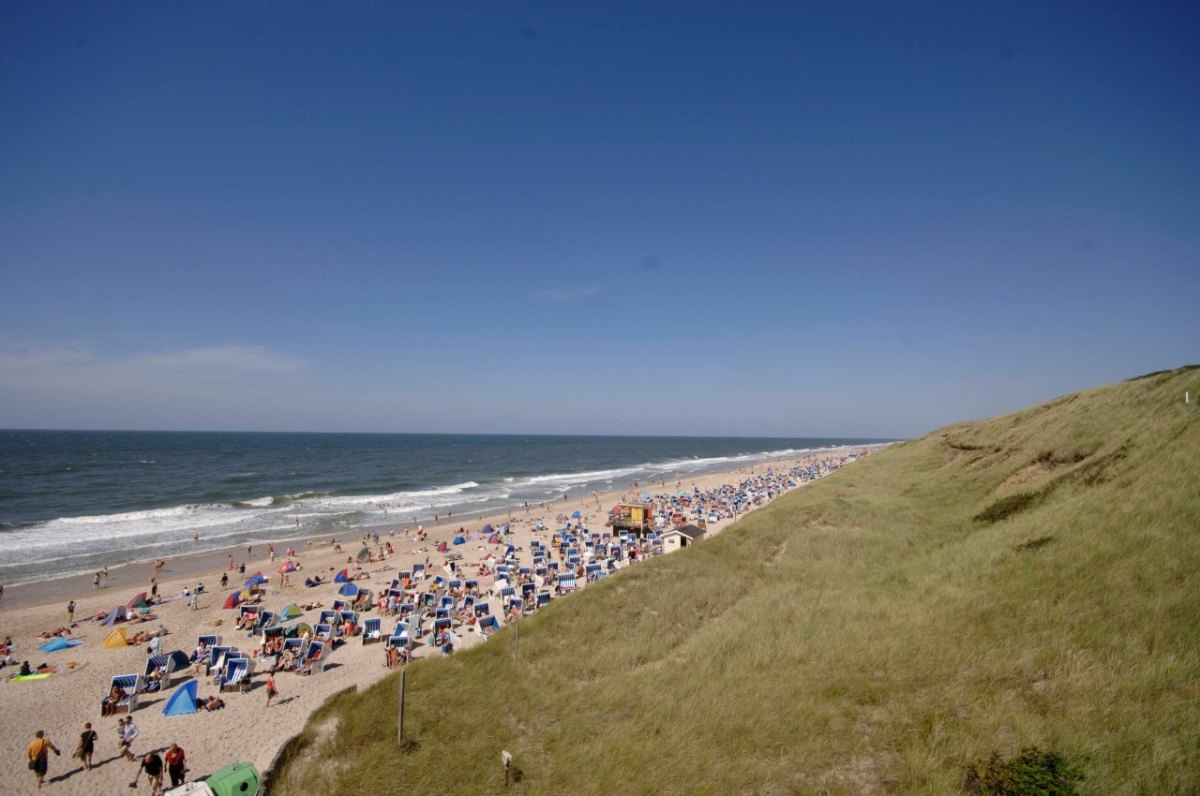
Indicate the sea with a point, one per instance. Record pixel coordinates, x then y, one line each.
74 501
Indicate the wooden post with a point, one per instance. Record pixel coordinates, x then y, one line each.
400 729
517 630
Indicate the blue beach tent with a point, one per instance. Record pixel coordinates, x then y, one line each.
341 577
459 540
183 701
115 615
348 590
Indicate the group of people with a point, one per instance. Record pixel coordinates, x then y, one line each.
173 762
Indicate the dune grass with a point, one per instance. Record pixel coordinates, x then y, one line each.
1028 580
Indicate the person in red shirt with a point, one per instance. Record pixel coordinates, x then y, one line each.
176 764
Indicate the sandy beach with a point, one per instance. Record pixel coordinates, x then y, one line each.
61 703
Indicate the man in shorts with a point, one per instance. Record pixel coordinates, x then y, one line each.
152 764
39 755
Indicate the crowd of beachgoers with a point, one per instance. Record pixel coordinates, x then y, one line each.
347 613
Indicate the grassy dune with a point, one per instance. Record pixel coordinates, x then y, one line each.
1026 580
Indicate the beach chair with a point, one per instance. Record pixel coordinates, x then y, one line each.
446 602
441 613
468 602
506 592
418 572
487 626
372 631
441 626
471 583
297 644
265 619
235 676
566 583
328 617
543 598
312 662
406 609
403 575
323 631
527 589
166 665
515 602
481 609
132 685
454 583
216 656
339 606
208 641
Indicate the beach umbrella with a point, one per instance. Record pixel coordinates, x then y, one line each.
364 555
254 580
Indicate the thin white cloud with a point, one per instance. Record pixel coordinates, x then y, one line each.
54 385
568 294
224 358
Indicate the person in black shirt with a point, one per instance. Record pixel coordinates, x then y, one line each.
152 764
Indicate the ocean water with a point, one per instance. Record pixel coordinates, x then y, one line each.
72 501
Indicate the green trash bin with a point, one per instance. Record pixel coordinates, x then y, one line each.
236 779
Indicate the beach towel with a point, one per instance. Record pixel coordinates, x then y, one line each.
60 643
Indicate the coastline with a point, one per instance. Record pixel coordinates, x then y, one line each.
61 703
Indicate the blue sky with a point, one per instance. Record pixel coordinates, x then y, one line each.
673 218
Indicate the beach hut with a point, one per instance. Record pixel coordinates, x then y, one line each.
680 537
115 640
183 701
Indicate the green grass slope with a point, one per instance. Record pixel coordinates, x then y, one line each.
1028 580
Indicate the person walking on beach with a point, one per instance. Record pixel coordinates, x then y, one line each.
152 764
96 581
176 764
271 690
87 746
71 612
39 755
128 733
225 576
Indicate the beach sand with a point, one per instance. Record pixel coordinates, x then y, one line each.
61 703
